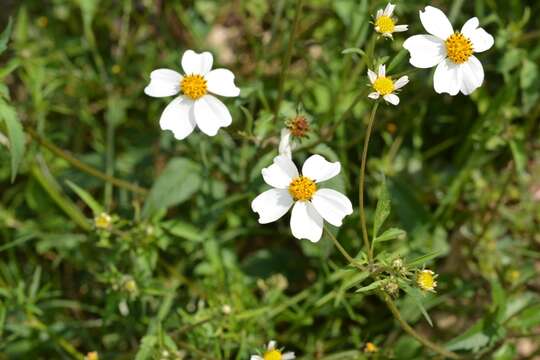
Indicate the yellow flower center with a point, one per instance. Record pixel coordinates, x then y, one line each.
384 85
426 280
102 221
459 48
384 24
272 355
194 86
302 188
371 348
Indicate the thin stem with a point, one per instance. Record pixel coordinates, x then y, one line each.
405 326
287 59
362 181
342 250
84 167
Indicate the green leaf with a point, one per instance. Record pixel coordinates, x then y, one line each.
390 234
374 285
15 135
354 51
180 179
383 209
146 350
424 258
86 197
4 37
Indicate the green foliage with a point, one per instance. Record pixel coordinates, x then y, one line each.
122 240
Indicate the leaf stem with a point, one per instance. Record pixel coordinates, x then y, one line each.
287 59
405 326
342 250
362 182
84 167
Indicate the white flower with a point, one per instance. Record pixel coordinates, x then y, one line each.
385 24
196 106
452 52
311 204
272 353
286 144
384 85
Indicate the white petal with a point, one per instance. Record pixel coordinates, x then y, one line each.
332 205
380 13
371 75
285 144
271 205
319 169
271 345
221 82
472 75
447 78
211 114
178 117
479 37
288 356
392 99
255 357
194 63
401 82
374 95
426 50
401 28
280 173
163 82
382 70
306 223
436 23
389 9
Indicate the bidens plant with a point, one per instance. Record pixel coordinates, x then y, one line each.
196 106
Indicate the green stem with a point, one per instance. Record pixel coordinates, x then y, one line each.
342 250
84 167
405 326
362 182
287 59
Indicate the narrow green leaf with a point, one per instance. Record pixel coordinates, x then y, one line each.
354 51
15 135
383 209
390 234
424 258
4 37
146 350
180 179
374 285
86 197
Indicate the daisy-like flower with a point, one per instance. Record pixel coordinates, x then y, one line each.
272 353
385 24
103 221
196 105
452 52
311 204
384 85
426 280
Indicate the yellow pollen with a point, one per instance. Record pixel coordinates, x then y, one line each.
426 280
194 86
385 24
272 355
384 85
302 188
459 48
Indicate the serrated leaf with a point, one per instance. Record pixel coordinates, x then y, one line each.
383 209
390 234
4 37
180 179
15 134
86 197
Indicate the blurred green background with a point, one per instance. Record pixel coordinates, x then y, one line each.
185 271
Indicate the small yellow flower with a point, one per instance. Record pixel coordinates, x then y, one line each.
385 86
93 355
385 24
371 348
103 221
426 280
